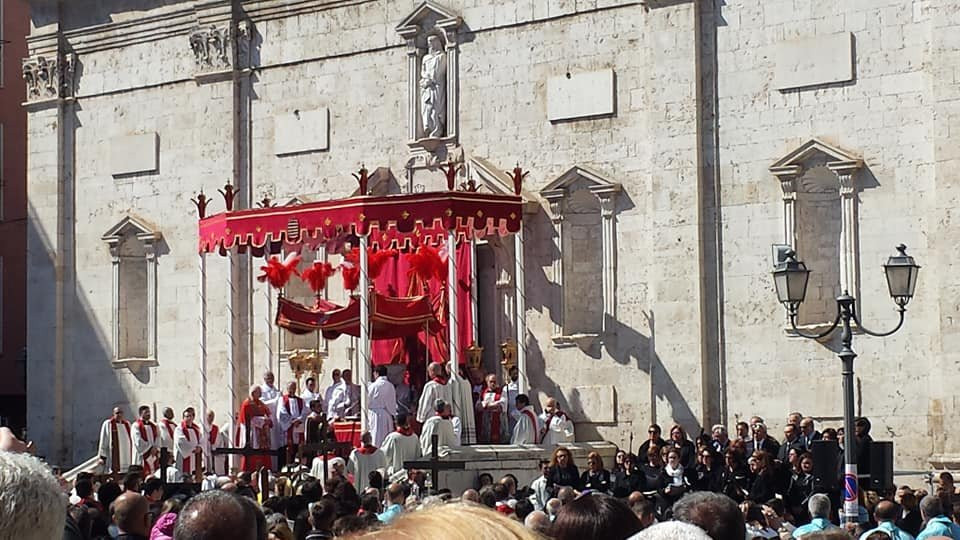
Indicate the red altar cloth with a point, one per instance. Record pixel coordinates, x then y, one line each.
348 431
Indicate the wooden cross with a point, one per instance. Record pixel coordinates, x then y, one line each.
172 488
324 447
434 464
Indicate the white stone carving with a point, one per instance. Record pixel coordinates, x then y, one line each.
790 169
559 194
433 89
49 78
132 227
211 48
814 61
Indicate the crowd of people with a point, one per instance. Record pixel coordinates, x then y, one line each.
720 485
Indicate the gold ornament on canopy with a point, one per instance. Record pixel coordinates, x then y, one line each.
304 361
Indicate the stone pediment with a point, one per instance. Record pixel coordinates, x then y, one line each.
577 178
796 160
427 12
130 224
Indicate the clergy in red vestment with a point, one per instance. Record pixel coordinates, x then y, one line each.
115 449
188 446
491 409
256 425
146 442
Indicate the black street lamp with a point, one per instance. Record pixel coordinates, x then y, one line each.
790 279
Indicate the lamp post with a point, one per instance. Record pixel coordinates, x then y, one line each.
790 279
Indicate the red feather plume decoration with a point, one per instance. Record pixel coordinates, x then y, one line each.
317 274
277 272
350 268
427 264
378 261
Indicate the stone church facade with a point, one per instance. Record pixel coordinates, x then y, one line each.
670 143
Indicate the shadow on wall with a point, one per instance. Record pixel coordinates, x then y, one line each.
89 386
624 345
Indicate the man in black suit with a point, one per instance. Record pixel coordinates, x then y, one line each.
762 441
791 439
808 433
910 519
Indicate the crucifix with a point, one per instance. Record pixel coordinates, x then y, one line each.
434 464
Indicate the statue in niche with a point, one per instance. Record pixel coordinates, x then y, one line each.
433 88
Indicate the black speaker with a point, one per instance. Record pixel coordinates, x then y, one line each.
881 465
826 466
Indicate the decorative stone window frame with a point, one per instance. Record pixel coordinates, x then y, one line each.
414 29
150 237
556 194
790 169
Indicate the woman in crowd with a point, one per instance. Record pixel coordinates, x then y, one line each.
562 471
618 461
595 516
673 480
652 467
763 486
629 478
734 477
707 474
688 451
595 478
801 486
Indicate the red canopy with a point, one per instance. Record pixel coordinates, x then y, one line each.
390 317
394 221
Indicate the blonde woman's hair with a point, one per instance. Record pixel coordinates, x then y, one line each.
454 522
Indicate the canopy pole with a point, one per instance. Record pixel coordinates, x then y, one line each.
363 365
203 337
521 312
452 326
474 322
231 343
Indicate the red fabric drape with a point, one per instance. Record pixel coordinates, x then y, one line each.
394 281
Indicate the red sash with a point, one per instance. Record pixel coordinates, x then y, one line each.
546 424
188 460
170 426
142 428
214 431
366 450
533 422
292 437
406 432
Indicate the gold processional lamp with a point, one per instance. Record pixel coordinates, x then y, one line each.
305 361
508 355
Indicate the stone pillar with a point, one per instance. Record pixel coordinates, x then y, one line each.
555 198
608 211
115 302
150 253
413 91
788 185
849 237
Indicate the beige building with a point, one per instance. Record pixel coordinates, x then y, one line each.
670 144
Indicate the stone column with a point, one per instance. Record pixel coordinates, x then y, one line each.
849 237
788 185
150 253
555 198
608 210
115 302
449 28
413 91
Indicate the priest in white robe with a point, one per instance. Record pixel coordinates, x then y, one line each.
116 446
381 406
463 408
146 441
328 393
435 389
167 426
442 426
270 396
345 401
510 391
363 461
291 414
188 445
527 428
556 427
310 392
215 438
400 446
